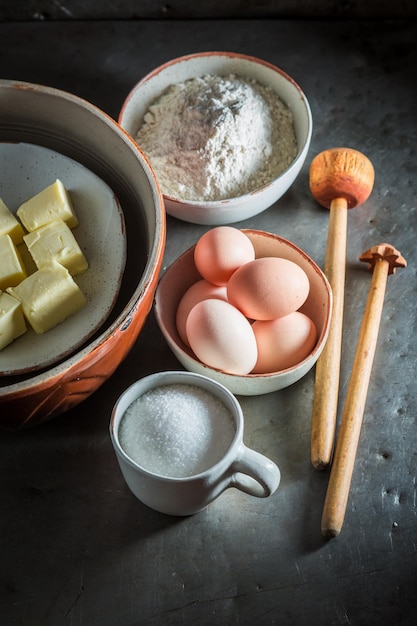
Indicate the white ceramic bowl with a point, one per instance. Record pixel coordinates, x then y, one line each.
224 63
62 122
183 273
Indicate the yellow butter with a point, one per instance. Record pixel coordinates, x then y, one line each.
9 225
50 204
25 256
12 269
48 297
12 322
55 241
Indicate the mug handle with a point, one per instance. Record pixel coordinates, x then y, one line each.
254 473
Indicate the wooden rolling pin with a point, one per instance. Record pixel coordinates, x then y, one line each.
340 179
384 259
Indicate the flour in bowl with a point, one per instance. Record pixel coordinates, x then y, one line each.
217 137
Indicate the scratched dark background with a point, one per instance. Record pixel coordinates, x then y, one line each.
76 548
187 9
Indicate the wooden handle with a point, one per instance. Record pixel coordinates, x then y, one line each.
340 178
328 365
348 438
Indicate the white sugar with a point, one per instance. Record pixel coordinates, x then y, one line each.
176 430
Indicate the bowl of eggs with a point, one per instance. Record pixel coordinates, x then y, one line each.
82 237
246 308
226 134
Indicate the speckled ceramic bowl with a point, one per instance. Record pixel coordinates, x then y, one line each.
101 234
224 63
78 130
183 273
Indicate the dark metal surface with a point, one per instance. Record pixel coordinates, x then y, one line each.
76 547
187 9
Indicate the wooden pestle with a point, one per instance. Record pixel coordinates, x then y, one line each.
340 179
384 259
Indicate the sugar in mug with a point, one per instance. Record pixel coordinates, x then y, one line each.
239 467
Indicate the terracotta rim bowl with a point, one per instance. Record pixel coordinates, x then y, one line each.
71 126
223 63
183 273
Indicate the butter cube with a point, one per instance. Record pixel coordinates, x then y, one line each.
26 257
52 203
48 297
55 241
12 269
9 225
12 322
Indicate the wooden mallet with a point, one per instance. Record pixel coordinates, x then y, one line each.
340 179
384 260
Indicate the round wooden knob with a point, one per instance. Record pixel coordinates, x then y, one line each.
341 173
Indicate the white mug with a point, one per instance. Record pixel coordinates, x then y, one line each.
237 466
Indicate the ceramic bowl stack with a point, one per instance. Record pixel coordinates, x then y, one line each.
232 209
47 134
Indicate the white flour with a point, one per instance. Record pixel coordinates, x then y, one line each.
214 137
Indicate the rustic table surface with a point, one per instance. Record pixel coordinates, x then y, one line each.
76 547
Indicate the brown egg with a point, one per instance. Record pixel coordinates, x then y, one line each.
201 290
283 342
221 337
268 288
220 251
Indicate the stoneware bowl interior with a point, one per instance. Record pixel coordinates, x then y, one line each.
224 63
183 273
73 127
101 234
